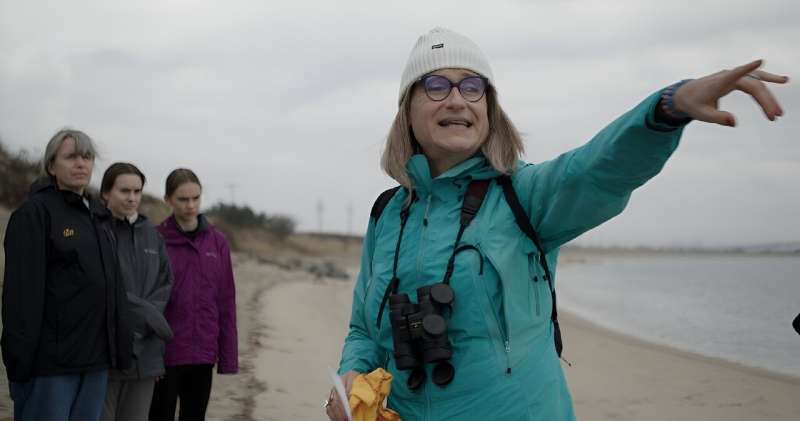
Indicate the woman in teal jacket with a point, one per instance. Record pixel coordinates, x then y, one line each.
497 357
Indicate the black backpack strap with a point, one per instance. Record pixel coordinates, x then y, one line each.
473 199
381 202
525 226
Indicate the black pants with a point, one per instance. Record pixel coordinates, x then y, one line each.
189 383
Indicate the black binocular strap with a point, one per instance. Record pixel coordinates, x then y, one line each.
466 247
476 199
525 225
473 199
391 288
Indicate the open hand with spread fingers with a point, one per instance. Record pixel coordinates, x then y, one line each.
699 98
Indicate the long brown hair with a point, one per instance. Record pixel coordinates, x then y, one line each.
179 177
115 170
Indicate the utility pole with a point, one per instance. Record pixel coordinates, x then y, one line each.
350 218
320 210
232 192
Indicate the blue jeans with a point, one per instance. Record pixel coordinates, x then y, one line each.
71 397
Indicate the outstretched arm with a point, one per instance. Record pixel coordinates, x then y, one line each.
591 184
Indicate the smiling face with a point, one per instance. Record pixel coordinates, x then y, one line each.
449 131
71 169
124 197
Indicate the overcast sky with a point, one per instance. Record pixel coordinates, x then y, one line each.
285 105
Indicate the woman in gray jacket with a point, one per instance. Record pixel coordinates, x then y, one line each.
145 271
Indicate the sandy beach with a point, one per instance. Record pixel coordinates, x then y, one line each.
613 377
291 328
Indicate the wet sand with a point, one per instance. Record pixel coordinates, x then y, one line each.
291 329
233 396
613 377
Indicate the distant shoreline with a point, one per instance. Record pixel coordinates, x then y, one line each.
779 249
760 250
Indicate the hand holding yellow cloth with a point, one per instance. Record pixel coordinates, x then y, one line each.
367 395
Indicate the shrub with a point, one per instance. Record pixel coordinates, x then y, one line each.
17 173
281 226
243 216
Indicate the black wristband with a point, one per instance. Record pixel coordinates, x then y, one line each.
665 109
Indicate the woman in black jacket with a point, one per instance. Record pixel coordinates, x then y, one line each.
146 274
63 306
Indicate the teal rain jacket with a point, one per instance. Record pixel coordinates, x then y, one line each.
500 328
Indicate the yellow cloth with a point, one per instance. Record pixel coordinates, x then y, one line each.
367 396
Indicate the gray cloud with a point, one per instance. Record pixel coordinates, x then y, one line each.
290 102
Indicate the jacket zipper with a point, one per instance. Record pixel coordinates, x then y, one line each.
133 241
110 328
420 249
427 211
423 233
502 328
428 400
536 295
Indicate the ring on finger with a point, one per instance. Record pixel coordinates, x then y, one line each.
330 400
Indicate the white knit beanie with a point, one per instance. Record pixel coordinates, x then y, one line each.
441 49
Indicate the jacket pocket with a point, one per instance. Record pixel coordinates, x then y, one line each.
541 302
537 279
483 280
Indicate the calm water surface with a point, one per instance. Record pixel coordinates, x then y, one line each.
738 307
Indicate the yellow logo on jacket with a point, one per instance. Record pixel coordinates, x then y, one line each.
68 232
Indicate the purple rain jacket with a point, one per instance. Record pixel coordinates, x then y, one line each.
202 308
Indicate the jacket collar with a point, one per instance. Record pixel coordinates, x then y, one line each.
84 201
136 222
41 184
475 168
173 232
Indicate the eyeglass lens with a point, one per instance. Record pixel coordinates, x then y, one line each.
439 87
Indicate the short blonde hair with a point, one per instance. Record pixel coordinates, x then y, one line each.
502 148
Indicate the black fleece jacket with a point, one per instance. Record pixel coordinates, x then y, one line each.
64 305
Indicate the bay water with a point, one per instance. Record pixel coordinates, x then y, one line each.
736 307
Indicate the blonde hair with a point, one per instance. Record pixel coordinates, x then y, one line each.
502 148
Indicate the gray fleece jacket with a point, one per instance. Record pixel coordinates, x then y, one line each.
146 273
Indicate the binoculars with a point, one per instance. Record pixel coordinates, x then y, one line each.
419 333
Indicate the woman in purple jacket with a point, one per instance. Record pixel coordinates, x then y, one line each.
202 308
